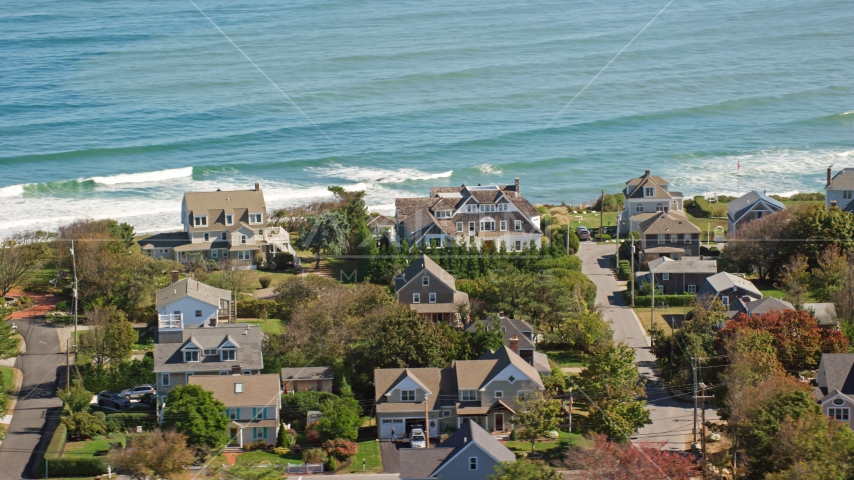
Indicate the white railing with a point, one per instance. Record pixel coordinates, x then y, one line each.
171 320
306 468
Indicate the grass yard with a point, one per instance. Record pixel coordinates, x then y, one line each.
39 280
369 450
89 448
565 358
644 315
8 378
258 457
270 326
550 450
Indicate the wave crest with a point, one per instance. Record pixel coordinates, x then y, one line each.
377 175
145 177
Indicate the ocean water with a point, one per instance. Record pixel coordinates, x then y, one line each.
115 108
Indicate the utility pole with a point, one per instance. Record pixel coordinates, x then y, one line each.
601 214
632 280
618 240
567 236
426 421
694 368
74 265
67 363
703 399
652 300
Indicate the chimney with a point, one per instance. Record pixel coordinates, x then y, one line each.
832 203
514 344
829 175
501 314
235 370
746 299
213 321
518 189
646 173
257 187
174 276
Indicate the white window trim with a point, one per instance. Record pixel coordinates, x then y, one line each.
665 276
661 239
165 380
425 280
416 297
498 394
223 358
725 301
198 313
674 238
687 238
243 255
692 289
206 237
502 225
431 297
260 218
446 413
243 239
407 399
639 208
238 387
472 226
844 413
522 393
190 353
229 219
468 398
648 191
517 225
200 220
459 226
214 253
473 465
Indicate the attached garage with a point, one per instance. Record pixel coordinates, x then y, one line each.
402 426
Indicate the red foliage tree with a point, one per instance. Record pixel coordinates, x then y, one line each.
797 337
340 448
607 460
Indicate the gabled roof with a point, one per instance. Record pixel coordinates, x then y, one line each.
200 202
666 223
764 305
668 265
435 379
380 221
409 374
258 390
739 207
168 357
836 373
511 327
724 281
417 266
475 374
308 373
825 313
647 180
844 180
188 287
471 435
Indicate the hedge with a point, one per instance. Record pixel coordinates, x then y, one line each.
709 251
129 421
567 262
625 270
671 300
57 466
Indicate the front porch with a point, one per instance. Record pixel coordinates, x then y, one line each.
494 419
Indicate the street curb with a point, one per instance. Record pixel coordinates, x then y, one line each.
13 397
647 338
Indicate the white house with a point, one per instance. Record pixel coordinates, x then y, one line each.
190 302
839 191
645 196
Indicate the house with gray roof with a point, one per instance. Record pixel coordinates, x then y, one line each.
669 234
749 207
645 195
839 190
190 302
824 313
728 288
430 290
470 453
252 405
491 216
484 391
383 229
222 225
748 306
226 349
676 277
301 379
518 337
834 389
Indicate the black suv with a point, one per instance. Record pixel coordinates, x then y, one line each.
113 400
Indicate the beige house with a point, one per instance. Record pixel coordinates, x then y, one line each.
301 379
670 235
252 404
222 225
429 290
835 386
647 195
491 217
484 391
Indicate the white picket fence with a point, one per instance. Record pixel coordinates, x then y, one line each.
306 469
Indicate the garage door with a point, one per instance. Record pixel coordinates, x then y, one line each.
388 423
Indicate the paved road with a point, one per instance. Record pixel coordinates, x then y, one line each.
37 402
672 421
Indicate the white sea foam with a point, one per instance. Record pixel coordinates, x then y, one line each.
489 169
376 175
12 191
145 177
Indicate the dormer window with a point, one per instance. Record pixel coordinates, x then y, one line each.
254 218
425 280
200 221
191 356
502 207
489 207
648 191
243 239
468 395
407 395
229 219
227 354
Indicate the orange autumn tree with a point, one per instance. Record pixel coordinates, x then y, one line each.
797 337
605 459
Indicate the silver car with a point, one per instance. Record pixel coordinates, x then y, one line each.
138 391
417 439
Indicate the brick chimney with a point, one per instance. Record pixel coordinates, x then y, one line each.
257 187
518 189
832 203
514 344
174 276
646 173
236 370
829 174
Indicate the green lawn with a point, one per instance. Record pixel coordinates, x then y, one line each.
565 358
550 450
270 326
8 378
259 457
645 313
88 448
369 450
39 280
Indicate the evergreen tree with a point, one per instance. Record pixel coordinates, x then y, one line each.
195 412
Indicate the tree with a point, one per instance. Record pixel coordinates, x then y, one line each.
605 459
20 254
538 416
484 340
844 297
341 418
76 399
759 245
828 277
614 387
326 233
523 469
399 338
9 343
84 424
121 231
195 412
158 454
794 279
111 336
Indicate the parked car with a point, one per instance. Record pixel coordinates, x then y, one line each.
138 391
583 233
417 439
113 400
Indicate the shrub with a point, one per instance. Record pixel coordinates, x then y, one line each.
331 464
624 272
670 300
314 455
286 439
62 306
54 448
283 261
312 437
340 448
567 262
25 302
602 237
297 448
265 280
259 445
84 425
281 451
709 251
75 399
75 467
256 308
513 435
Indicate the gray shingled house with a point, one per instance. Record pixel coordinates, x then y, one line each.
669 234
518 337
680 276
222 225
749 207
429 290
835 386
485 216
839 190
645 196
729 289
749 306
470 453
